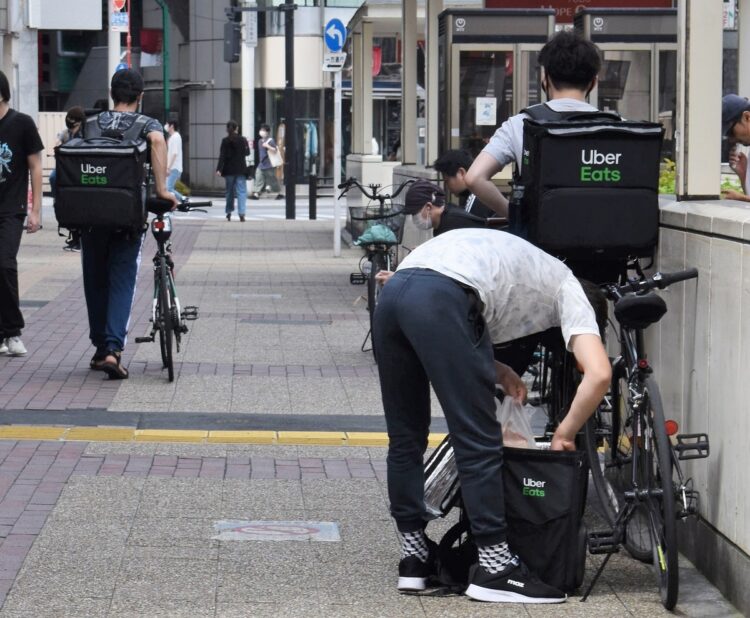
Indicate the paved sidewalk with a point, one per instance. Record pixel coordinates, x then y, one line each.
136 528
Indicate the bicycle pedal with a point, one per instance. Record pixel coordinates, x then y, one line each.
603 542
190 313
144 339
692 446
357 279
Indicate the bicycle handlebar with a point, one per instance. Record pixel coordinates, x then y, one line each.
659 280
373 193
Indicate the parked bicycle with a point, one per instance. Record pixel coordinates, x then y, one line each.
384 225
634 451
168 317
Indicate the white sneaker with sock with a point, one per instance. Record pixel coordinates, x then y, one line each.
15 346
3 348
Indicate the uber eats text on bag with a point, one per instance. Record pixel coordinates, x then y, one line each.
100 178
588 185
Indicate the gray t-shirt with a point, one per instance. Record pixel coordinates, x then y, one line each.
506 143
523 289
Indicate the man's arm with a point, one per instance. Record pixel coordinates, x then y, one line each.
597 374
35 167
159 165
479 181
512 384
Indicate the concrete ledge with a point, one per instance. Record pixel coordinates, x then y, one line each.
725 218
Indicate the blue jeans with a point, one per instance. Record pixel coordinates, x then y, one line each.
110 266
429 330
172 179
236 185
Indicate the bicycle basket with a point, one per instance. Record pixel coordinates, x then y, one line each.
369 225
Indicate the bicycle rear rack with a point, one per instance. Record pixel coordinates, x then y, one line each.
692 446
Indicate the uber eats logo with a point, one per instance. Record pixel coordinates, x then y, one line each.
532 487
594 162
93 174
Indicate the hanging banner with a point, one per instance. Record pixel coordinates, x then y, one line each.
120 18
565 10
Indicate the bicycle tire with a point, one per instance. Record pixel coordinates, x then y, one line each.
174 310
164 319
662 515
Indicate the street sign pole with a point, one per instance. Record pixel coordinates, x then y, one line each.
336 163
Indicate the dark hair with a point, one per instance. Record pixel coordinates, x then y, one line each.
450 161
175 124
266 127
4 87
76 114
126 86
598 301
570 61
232 126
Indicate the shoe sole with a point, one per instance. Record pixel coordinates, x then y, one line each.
412 584
505 596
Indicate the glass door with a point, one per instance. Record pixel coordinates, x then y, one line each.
625 83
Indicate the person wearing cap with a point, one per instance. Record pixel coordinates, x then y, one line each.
435 323
426 204
453 165
735 126
110 258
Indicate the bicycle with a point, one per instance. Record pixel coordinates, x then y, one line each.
629 445
168 318
385 226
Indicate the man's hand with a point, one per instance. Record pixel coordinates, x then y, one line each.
561 442
32 222
383 276
512 384
738 162
730 194
166 195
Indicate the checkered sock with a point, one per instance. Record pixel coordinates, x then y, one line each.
494 558
414 544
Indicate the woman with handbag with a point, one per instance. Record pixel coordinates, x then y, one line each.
232 167
270 158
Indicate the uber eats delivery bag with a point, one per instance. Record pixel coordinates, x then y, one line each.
590 186
100 178
545 495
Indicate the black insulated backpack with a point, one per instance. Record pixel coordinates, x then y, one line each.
589 184
101 176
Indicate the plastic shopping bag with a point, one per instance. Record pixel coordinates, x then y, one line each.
516 424
441 480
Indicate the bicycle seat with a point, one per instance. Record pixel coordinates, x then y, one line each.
158 205
639 311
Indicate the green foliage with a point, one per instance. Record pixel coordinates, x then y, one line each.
667 176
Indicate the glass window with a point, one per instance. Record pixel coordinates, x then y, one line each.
668 99
625 84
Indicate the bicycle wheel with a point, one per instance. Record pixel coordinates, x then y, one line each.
609 447
164 318
657 453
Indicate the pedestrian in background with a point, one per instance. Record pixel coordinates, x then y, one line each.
233 168
735 126
270 158
20 153
174 158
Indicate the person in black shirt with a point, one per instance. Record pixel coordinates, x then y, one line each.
20 153
453 165
425 202
233 169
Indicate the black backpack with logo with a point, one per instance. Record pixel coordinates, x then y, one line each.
101 178
589 184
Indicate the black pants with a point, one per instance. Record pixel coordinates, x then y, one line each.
429 330
11 319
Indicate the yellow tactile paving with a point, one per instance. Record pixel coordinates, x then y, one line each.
100 434
242 437
435 439
360 438
333 438
170 435
27 432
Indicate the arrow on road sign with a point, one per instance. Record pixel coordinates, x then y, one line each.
335 35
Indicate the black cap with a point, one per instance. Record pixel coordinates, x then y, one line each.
732 107
128 80
420 193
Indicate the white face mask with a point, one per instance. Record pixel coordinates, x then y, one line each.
422 222
263 133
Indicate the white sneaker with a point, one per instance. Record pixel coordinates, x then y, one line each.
15 346
3 348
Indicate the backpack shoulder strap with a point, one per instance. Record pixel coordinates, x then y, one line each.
133 133
91 127
543 111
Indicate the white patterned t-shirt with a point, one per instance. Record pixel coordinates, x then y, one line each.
523 289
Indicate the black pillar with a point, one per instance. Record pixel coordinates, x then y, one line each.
290 136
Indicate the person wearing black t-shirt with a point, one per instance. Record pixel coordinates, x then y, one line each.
425 202
20 153
453 165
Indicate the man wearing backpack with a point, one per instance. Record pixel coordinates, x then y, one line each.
20 153
111 257
570 65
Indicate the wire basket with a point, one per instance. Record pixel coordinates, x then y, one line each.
363 218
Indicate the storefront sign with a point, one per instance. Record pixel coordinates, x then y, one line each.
565 10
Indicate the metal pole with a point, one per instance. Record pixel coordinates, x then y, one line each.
290 172
336 164
113 49
165 56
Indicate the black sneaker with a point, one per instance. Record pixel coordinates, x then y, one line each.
514 584
413 573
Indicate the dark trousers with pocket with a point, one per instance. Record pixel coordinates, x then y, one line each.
429 330
11 318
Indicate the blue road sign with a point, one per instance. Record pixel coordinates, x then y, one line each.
335 35
121 66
